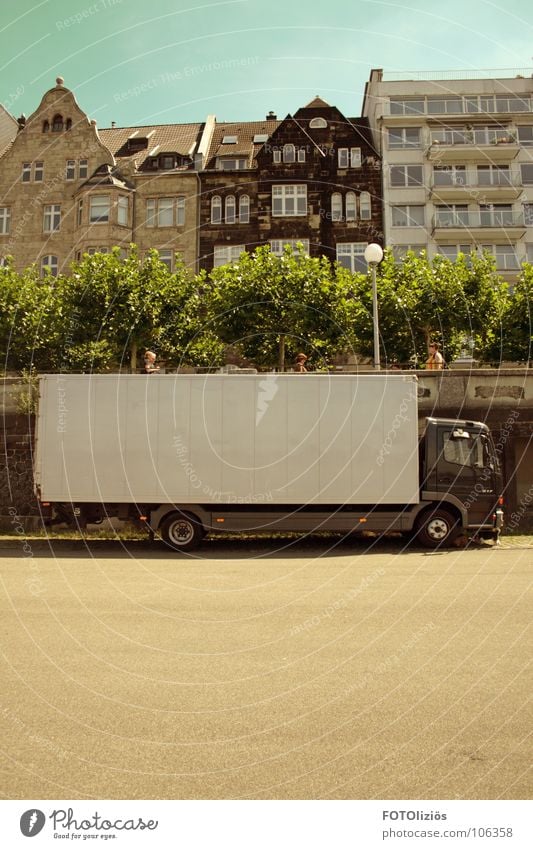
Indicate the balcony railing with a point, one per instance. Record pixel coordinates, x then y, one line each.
498 178
483 218
459 105
482 136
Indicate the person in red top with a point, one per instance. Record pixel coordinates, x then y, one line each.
435 361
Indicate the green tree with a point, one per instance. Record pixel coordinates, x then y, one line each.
515 339
271 307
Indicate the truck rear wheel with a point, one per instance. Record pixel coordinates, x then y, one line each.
182 531
436 528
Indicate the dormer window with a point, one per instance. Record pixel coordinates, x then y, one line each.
167 163
57 124
232 163
318 124
229 140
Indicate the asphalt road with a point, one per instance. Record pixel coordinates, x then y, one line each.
264 669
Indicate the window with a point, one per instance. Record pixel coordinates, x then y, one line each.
351 255
496 215
230 209
223 254
229 140
80 212
444 105
301 154
318 124
449 175
122 210
277 246
160 212
400 106
167 257
38 172
506 258
49 265
525 135
365 206
216 210
355 157
52 218
343 157
70 170
260 138
276 155
68 124
408 216
402 137
454 215
99 209
234 163
288 153
26 172
57 124
83 168
244 209
451 251
101 250
289 200
491 175
46 126
405 175
167 163
526 169
528 215
529 249
336 206
180 211
399 251
5 219
351 206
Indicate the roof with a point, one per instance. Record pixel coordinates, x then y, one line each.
182 139
317 103
245 131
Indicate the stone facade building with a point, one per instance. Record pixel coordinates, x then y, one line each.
204 191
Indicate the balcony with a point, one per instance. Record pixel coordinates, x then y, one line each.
495 185
482 145
482 225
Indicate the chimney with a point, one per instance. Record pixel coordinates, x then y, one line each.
271 116
113 124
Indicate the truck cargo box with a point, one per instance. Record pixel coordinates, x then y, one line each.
222 439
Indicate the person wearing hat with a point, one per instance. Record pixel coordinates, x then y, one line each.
300 364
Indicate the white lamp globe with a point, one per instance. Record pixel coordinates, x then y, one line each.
373 253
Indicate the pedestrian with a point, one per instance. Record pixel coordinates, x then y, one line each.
435 361
300 364
149 363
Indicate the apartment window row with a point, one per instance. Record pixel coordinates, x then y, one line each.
235 209
457 105
412 176
76 169
277 246
344 208
460 215
506 255
404 138
32 171
165 212
57 125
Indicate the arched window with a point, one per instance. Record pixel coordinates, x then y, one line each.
216 210
351 206
336 206
318 124
57 124
365 206
68 123
49 265
288 153
46 126
230 209
244 209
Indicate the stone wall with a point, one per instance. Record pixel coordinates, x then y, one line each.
503 398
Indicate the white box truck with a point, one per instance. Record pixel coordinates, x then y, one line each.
188 455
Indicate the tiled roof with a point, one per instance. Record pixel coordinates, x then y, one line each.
167 138
317 103
245 146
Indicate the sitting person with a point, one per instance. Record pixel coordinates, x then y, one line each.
300 364
435 361
149 363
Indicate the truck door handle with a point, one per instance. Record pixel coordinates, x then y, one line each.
445 479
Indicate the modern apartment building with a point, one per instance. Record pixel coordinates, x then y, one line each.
457 163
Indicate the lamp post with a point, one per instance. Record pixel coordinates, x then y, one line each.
373 256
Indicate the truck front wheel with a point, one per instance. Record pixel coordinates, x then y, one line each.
182 531
435 528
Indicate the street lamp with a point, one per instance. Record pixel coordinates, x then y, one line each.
373 256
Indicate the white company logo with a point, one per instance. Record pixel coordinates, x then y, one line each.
266 392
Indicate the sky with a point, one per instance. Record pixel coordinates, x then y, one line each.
137 62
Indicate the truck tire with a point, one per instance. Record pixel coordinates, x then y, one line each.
182 531
436 528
